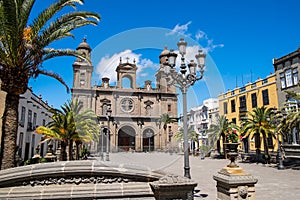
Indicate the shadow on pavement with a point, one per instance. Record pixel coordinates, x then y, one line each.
199 195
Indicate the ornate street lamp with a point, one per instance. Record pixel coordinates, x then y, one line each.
108 116
183 81
278 115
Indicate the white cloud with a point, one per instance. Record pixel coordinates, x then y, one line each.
210 46
201 35
108 64
180 29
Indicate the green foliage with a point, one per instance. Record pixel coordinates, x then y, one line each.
32 161
192 135
219 129
165 119
260 122
25 44
71 123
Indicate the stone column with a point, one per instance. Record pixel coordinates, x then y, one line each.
233 183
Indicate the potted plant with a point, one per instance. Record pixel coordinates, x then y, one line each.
232 144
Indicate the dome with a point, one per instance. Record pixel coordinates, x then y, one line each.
84 45
164 52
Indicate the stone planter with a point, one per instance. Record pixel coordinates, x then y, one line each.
232 153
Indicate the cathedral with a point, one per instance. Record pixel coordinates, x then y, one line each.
129 116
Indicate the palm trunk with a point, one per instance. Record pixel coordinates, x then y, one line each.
77 149
70 150
9 131
63 153
266 149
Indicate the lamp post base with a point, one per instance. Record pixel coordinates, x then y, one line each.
187 172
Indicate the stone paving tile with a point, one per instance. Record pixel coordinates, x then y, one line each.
272 183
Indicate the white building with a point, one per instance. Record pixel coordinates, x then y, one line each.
33 112
201 117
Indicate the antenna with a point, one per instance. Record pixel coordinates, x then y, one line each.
242 79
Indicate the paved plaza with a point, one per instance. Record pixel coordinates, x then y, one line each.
272 183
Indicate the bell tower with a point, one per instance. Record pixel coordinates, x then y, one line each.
81 68
161 78
126 71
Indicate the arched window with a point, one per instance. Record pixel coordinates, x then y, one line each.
126 83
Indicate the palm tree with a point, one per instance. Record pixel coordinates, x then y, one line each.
192 136
217 131
24 47
57 129
257 124
165 119
71 125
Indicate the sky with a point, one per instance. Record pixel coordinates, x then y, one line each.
240 37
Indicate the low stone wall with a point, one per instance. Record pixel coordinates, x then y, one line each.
89 179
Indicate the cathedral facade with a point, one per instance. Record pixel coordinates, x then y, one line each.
129 116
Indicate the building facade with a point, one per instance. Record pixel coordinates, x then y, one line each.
201 117
33 112
135 111
235 104
287 69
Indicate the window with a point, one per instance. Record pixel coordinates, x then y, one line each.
126 83
169 107
44 122
233 105
29 125
34 120
20 144
148 110
234 120
225 107
243 105
288 77
295 76
282 80
232 92
104 109
265 96
242 89
23 112
127 105
265 81
254 100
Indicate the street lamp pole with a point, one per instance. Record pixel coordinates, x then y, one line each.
108 115
279 153
183 81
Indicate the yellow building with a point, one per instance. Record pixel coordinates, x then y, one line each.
235 104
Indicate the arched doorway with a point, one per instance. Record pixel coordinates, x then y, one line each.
148 140
126 138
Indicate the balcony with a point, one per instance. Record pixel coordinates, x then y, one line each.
242 109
